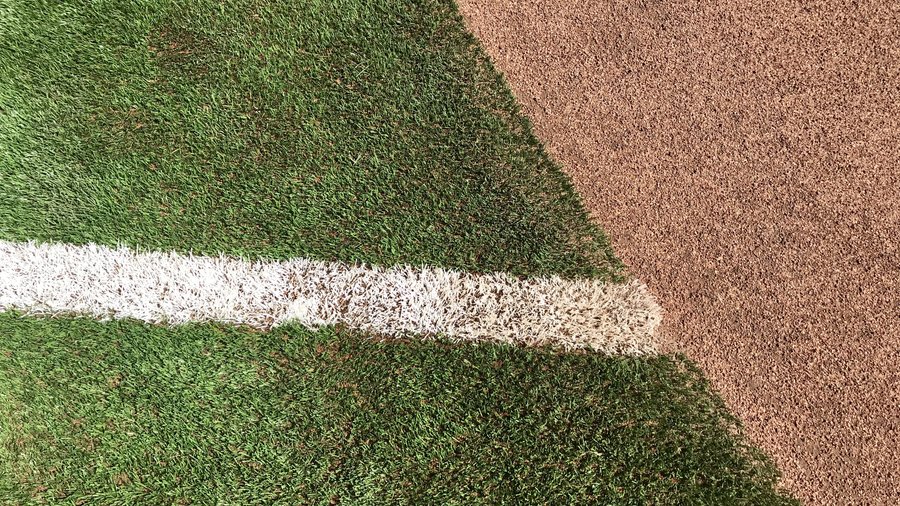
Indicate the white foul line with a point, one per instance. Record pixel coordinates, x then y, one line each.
171 288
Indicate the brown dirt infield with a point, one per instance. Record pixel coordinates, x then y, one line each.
745 159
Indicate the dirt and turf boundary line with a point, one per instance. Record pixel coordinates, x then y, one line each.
743 158
171 288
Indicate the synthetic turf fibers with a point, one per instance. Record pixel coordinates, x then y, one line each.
612 318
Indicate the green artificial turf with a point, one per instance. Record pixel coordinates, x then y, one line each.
370 131
125 413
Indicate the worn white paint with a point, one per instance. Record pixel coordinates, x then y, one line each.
172 288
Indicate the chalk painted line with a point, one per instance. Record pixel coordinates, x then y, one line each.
172 288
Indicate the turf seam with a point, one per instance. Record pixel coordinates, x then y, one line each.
173 288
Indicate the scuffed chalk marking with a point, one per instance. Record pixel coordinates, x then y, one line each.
171 288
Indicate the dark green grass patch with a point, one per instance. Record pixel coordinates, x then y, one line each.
372 131
124 413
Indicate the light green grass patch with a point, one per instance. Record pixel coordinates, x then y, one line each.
356 131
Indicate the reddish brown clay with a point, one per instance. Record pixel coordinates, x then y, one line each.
745 158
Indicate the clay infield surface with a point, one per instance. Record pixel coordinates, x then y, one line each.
745 159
